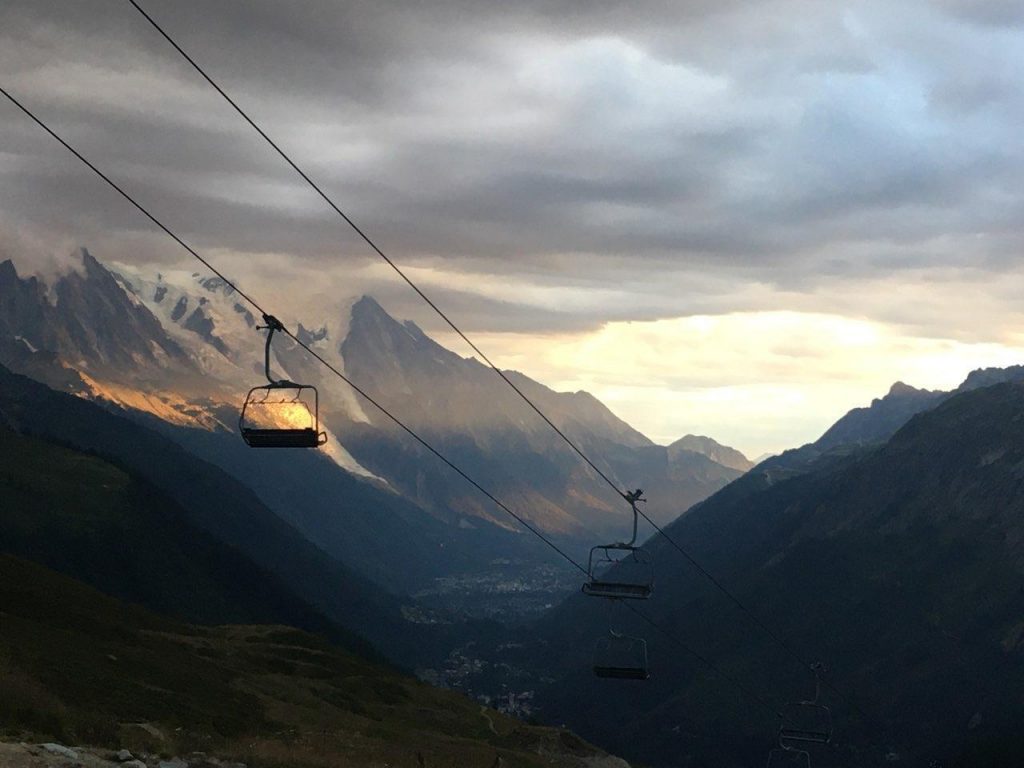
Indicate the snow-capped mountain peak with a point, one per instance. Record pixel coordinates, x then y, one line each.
208 318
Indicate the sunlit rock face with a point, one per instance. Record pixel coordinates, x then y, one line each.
177 346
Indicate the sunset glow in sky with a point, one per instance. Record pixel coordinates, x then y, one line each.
732 218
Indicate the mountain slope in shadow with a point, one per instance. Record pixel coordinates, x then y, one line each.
82 668
82 516
900 566
213 502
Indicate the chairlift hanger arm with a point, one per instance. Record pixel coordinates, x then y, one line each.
634 498
819 669
272 324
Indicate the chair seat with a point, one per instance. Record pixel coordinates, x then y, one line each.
617 589
621 673
798 734
281 438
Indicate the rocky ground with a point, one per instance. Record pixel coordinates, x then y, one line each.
51 755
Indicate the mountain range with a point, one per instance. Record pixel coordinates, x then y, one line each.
177 351
888 549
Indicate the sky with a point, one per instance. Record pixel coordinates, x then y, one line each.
730 218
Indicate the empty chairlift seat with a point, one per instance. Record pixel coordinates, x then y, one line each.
619 572
804 723
620 657
280 413
616 572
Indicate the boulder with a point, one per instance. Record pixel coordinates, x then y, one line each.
60 749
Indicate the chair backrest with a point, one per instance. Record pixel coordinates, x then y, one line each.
281 415
619 571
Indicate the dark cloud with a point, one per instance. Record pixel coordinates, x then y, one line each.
997 13
693 156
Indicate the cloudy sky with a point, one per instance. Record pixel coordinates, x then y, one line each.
726 217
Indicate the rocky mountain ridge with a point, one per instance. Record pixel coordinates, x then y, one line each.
188 349
89 323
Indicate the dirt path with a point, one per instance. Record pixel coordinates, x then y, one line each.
487 717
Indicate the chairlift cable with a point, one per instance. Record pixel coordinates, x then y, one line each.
366 238
810 666
744 689
501 505
398 270
131 200
287 331
413 434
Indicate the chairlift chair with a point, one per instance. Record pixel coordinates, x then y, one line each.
280 399
801 725
807 722
621 571
620 657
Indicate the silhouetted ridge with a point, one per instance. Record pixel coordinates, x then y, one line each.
878 421
307 336
985 377
724 455
7 272
898 563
